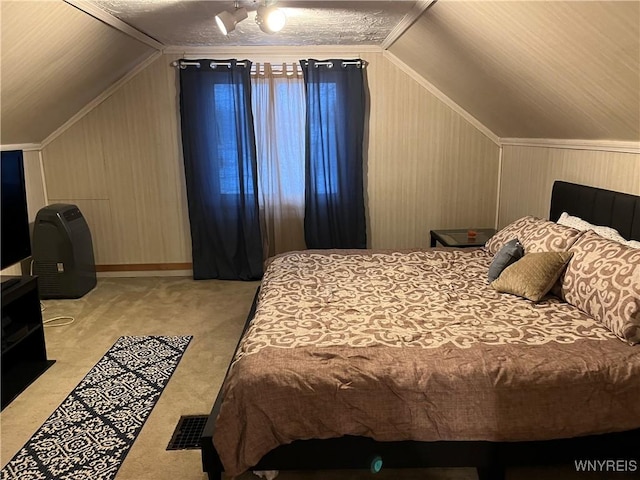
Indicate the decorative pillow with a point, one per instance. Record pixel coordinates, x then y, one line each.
580 224
603 280
533 275
510 253
632 243
606 232
548 236
515 229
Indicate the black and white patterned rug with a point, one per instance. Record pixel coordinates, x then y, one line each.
88 436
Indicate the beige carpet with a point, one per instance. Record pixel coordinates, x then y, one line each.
214 313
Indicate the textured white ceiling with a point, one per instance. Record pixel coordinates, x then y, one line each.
191 23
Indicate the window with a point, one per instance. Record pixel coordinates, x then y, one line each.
229 175
279 112
326 176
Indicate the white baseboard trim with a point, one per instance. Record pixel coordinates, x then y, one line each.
574 144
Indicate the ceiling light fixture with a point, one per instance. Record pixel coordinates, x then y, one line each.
227 21
270 19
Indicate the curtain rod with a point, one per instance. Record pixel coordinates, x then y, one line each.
185 63
344 63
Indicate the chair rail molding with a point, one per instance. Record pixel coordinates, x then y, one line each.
26 147
574 144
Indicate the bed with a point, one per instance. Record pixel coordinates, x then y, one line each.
427 321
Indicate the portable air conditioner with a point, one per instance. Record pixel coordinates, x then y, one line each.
63 252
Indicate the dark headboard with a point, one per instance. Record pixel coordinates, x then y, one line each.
598 206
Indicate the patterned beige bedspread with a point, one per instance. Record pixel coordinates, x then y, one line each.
416 346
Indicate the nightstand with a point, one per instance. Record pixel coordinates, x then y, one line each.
460 237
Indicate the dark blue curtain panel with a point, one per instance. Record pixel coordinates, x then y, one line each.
334 197
219 149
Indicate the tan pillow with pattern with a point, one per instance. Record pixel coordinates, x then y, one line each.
515 230
603 280
548 236
533 275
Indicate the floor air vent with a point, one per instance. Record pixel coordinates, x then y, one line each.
187 434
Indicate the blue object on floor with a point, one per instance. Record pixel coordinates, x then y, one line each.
376 465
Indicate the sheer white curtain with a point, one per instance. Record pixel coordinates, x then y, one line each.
278 102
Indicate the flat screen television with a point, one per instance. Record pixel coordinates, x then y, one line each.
15 239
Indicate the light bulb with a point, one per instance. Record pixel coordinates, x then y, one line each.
270 19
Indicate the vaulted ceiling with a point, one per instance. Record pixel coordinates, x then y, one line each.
529 69
55 59
534 69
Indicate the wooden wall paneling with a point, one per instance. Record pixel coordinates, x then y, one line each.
428 167
125 152
34 183
74 162
144 169
528 174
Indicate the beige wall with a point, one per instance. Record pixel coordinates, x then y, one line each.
122 165
528 174
34 184
428 168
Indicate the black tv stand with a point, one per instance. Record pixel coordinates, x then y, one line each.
24 355
9 283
